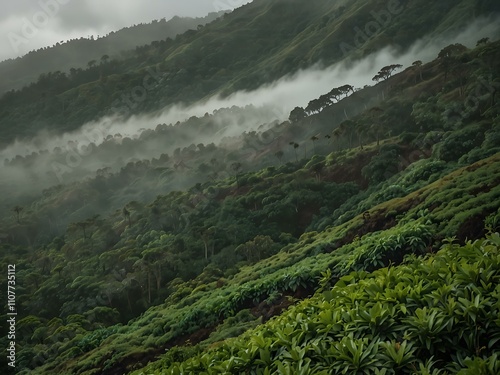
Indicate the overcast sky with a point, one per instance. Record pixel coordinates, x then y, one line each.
26 25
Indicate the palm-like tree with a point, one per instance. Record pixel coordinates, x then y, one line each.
360 129
347 127
18 210
337 134
314 138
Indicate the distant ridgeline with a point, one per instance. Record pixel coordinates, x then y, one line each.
84 52
254 45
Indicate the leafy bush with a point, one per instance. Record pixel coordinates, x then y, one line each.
422 317
492 222
95 338
390 192
478 153
422 171
383 165
459 143
427 114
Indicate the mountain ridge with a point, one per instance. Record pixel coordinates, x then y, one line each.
77 53
221 58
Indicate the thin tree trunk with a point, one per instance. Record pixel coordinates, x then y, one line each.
149 287
158 279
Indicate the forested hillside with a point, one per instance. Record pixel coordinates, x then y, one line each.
358 236
257 44
70 56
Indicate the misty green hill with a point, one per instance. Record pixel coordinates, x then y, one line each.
257 43
77 53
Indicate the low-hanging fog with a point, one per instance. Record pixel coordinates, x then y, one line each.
60 159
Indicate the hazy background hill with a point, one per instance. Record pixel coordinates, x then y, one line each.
254 45
77 53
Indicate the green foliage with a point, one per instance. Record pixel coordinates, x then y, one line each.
492 222
423 171
383 165
242 236
276 41
459 143
258 248
427 114
391 321
94 339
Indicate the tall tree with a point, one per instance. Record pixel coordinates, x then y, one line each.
346 89
386 72
347 128
448 57
337 134
334 95
360 129
18 210
418 68
314 106
314 138
376 126
297 114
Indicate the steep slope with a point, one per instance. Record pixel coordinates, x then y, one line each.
100 179
426 316
165 281
253 45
